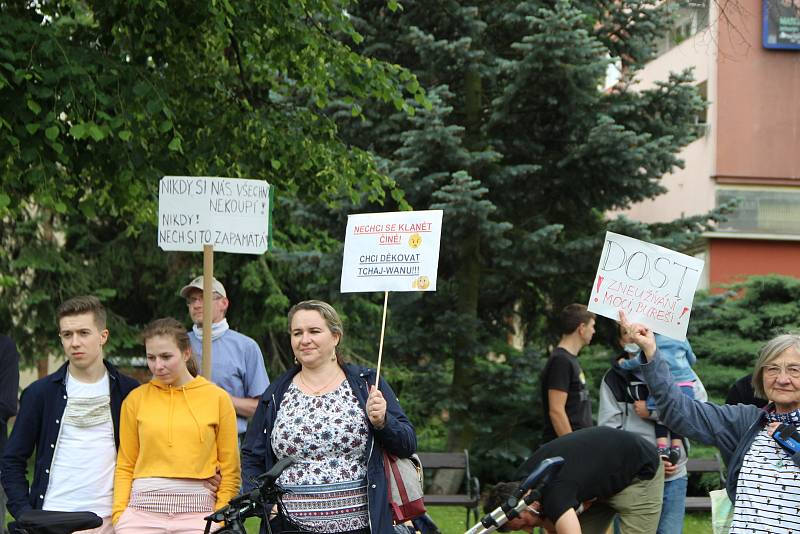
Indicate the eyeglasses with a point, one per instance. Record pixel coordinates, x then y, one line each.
772 371
194 300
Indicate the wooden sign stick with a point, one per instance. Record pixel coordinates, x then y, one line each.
208 299
383 331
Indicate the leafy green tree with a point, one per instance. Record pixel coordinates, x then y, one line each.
515 138
101 99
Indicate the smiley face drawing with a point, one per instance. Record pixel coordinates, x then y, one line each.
422 283
414 240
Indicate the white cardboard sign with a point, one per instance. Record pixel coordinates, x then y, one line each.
232 214
653 285
395 251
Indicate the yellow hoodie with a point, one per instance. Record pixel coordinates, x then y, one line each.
177 432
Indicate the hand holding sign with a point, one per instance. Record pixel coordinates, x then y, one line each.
652 285
639 334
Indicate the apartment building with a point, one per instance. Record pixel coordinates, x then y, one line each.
746 60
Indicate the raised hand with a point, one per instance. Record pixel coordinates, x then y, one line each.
639 334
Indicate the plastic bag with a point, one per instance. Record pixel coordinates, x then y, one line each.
721 511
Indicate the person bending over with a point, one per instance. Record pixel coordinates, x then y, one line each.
606 471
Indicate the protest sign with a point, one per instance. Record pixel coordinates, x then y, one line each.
231 214
396 251
199 213
653 285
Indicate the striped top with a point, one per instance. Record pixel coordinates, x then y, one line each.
340 507
171 495
768 491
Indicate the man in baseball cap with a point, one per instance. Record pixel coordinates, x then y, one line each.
237 365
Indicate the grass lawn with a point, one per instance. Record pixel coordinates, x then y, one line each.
451 521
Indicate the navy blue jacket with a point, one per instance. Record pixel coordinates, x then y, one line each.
730 428
397 437
37 426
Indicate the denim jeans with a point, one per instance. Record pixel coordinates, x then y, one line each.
672 508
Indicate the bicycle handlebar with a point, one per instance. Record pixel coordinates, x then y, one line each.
272 475
248 504
53 522
541 475
264 480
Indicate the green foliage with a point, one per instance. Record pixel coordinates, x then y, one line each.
727 330
493 112
508 401
101 99
525 153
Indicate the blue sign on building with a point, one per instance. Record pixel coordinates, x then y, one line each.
781 24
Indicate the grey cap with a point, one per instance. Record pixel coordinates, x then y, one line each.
197 283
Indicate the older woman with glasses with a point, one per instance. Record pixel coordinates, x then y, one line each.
763 475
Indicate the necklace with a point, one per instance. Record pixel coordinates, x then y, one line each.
317 392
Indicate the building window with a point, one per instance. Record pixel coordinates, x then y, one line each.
689 19
701 119
774 211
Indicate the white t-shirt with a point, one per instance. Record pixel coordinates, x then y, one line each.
82 472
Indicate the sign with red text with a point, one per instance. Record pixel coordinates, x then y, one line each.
232 214
396 251
653 285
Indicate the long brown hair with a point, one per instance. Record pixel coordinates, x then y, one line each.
170 327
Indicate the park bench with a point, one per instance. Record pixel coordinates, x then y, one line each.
470 497
703 465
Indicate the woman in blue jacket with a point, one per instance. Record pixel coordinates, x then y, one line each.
763 474
330 416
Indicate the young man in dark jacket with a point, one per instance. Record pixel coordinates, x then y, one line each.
71 419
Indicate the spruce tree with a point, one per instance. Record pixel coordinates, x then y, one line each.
526 150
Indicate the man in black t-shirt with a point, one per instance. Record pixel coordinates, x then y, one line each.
606 471
566 402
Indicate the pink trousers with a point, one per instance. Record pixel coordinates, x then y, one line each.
105 528
134 521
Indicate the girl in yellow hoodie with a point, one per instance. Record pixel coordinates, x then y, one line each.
175 431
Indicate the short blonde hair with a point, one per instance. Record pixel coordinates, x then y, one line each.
768 353
330 316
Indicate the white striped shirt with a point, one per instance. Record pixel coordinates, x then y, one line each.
171 495
768 490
